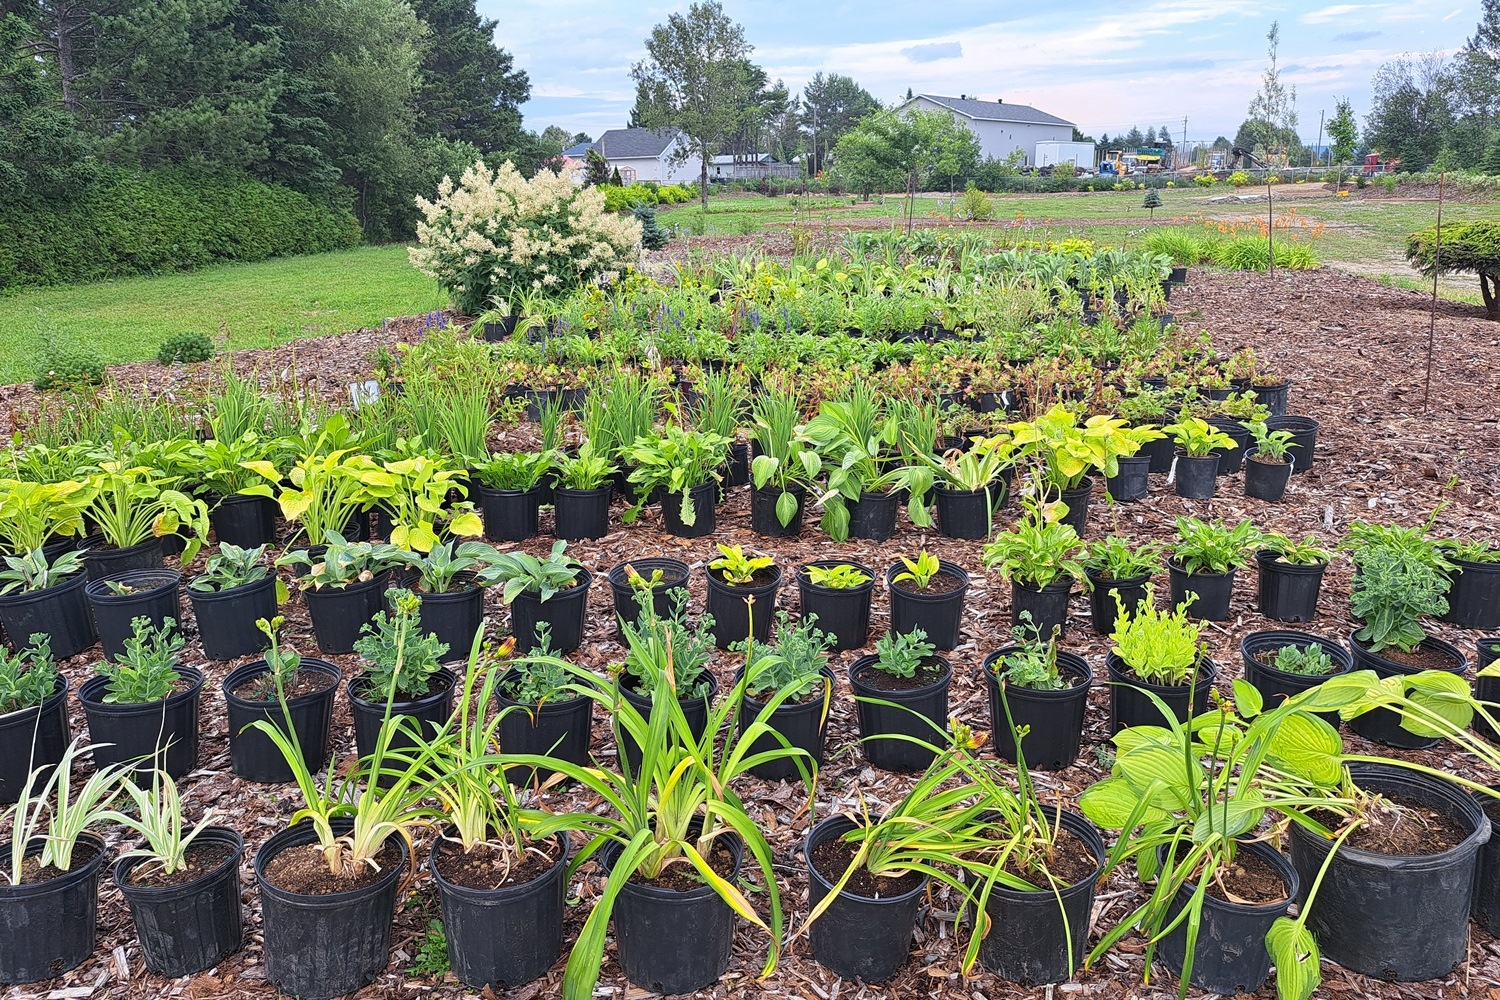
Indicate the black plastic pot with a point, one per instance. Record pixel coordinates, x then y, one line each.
669 941
842 614
967 513
1383 725
509 515
1230 459
1102 608
1277 685
1304 443
857 937
1288 591
705 520
506 937
873 516
1196 478
1055 717
1129 705
1487 689
674 575
695 709
564 611
244 521
226 618
454 617
732 609
252 755
431 710
47 928
101 561
1230 952
317 947
1047 605
1400 919
1273 397
1484 907
919 712
32 739
1266 480
1213 592
581 513
60 612
557 729
164 733
154 596
1077 501
187 928
763 519
803 725
1132 482
1474 597
939 615
339 613
1160 452
1031 932
737 470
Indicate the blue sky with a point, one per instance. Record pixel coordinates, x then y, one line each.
1104 66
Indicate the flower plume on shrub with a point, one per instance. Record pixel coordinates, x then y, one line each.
495 234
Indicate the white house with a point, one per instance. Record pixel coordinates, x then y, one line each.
643 154
1001 128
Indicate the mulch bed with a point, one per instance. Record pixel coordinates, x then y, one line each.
1355 350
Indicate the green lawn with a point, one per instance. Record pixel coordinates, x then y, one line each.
243 305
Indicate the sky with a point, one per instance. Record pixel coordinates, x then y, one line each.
1103 66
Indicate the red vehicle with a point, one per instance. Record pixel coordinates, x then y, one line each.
1375 165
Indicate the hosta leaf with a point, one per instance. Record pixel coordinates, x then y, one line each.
1307 746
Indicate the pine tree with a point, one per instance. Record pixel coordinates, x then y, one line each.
596 168
1152 201
614 178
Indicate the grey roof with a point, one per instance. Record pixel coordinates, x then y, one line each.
996 111
630 143
579 151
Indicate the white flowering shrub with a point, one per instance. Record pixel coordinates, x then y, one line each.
497 235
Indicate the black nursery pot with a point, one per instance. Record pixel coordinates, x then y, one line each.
1230 953
1273 397
698 924
430 711
226 618
564 611
60 611
32 738
252 755
1160 452
967 514
454 617
244 521
1232 458
674 574
1400 919
701 499
1213 591
154 596
1304 444
1129 705
1383 725
1266 480
939 615
47 928
1484 907
918 712
101 562
187 928
164 733
318 947
581 513
1486 688
557 729
1029 936
694 708
1077 501
338 613
1277 685
738 468
763 519
1055 717
873 516
1474 597
509 515
857 937
1102 608
1048 605
802 724
1132 482
1196 478
843 614
732 610
1288 591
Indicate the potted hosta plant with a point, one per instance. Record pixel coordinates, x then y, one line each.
450 593
1157 657
640 581
1196 467
581 497
404 681
321 493
901 691
838 594
509 485
33 714
738 583
117 601
793 679
1203 563
967 486
238 513
1038 695
1474 594
1112 565
133 507
546 707
41 590
182 885
345 587
667 645
1268 465
414 490
784 467
1290 576
235 591
857 441
142 709
1040 558
682 467
928 593
552 590
1066 452
281 688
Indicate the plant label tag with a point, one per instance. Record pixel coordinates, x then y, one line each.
1172 472
363 393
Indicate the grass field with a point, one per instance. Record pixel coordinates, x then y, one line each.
240 305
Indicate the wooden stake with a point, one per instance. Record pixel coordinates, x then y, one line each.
1437 258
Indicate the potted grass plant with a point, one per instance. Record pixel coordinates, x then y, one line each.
901 692
142 708
1158 657
1203 563
33 714
553 589
1040 558
259 690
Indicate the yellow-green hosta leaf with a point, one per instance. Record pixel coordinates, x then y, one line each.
1295 954
1110 803
1443 694
469 525
1162 774
1308 747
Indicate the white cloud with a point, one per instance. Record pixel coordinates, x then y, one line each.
1329 15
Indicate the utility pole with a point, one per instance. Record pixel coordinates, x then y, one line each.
1320 137
1184 136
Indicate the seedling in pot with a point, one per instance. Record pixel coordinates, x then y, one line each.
736 568
1213 546
919 572
1270 446
540 675
671 646
1114 558
1198 438
230 567
522 572
841 577
1471 550
519 471
402 660
1304 553
793 666
903 655
146 670
1306 661
585 471
282 664
32 572
1033 664
28 677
